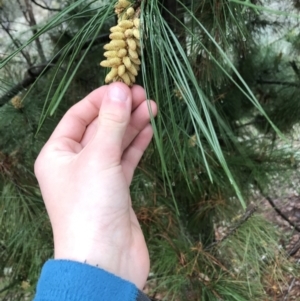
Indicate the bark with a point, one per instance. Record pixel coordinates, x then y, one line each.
32 22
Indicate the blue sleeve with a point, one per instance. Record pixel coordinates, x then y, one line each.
63 280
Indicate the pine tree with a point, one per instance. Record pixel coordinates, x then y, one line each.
226 98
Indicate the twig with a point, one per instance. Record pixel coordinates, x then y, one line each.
279 212
9 286
248 214
153 297
256 120
295 68
289 290
29 16
45 7
283 216
277 82
294 250
16 43
42 70
170 10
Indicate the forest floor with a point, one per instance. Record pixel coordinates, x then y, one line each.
282 208
289 206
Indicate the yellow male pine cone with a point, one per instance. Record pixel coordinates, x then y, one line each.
122 53
16 101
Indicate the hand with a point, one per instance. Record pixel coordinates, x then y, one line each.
84 172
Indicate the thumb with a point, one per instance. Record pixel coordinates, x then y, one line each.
114 117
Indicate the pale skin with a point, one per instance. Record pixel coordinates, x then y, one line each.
84 172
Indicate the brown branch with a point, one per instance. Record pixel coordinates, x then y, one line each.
16 43
276 209
29 16
296 247
9 286
170 10
35 71
295 68
247 215
277 82
289 289
294 250
45 7
281 214
174 19
282 83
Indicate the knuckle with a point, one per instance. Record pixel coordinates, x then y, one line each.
114 119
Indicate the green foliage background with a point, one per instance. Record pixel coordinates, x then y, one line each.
225 98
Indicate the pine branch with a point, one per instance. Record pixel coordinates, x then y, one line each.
45 7
35 71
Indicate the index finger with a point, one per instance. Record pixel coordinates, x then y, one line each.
75 122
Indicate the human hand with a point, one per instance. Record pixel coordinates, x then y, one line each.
85 170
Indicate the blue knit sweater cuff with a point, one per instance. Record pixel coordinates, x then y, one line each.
63 280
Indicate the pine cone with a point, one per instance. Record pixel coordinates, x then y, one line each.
124 49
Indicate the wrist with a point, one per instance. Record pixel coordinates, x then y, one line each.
107 257
89 252
117 251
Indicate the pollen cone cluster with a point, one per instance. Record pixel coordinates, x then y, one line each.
123 51
17 102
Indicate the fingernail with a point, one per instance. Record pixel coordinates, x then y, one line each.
116 93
